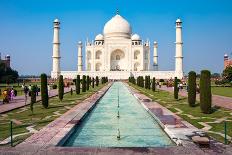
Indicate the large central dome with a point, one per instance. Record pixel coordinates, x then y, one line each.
117 27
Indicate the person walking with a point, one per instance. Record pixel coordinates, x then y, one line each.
12 94
25 93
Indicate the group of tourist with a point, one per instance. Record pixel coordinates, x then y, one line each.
8 95
28 89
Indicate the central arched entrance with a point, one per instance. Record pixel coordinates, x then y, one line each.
117 61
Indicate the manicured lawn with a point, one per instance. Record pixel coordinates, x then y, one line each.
222 91
166 99
41 116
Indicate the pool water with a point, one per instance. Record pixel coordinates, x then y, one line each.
118 120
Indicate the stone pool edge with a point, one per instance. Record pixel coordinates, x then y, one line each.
52 134
179 132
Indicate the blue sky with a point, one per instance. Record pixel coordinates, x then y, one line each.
26 30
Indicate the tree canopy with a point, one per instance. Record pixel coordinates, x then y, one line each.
227 73
7 74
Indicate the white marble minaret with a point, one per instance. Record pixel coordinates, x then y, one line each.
56 50
155 57
80 58
179 46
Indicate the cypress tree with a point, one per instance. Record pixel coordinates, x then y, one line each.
83 83
153 84
176 88
44 90
205 92
93 82
149 82
192 88
61 88
146 82
97 81
78 85
87 83
71 91
142 82
33 97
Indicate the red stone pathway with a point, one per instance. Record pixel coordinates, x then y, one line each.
221 101
19 101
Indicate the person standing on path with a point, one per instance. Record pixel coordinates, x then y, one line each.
25 93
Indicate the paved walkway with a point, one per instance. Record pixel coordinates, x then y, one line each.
19 101
221 101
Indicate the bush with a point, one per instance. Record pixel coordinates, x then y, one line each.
78 85
54 86
176 89
93 82
153 84
192 88
83 83
33 97
61 88
44 90
71 91
205 92
87 83
161 80
97 81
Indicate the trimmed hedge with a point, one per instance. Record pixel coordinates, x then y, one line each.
83 83
153 84
192 88
93 82
205 92
44 90
87 83
78 85
176 89
97 81
61 88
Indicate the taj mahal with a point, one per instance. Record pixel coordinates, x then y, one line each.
118 53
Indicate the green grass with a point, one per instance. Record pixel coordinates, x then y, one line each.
166 99
222 91
38 118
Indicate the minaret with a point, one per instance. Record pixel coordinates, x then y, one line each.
80 63
179 55
155 57
56 50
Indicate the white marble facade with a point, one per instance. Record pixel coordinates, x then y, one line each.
118 53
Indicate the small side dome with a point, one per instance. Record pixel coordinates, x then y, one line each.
99 37
135 37
178 20
56 20
225 55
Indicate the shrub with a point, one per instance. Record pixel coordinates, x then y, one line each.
142 82
192 88
93 82
153 84
54 86
176 88
87 83
148 82
83 83
97 81
161 80
205 92
33 97
44 90
61 88
78 85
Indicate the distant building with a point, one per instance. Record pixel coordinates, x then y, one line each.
227 61
6 61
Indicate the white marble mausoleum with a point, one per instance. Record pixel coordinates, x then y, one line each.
118 53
